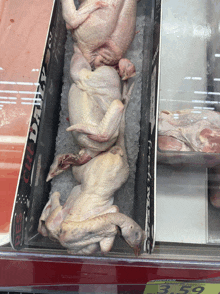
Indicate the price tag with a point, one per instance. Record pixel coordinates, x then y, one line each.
172 287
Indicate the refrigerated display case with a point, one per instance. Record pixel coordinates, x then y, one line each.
175 51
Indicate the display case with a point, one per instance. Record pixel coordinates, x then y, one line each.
187 126
172 190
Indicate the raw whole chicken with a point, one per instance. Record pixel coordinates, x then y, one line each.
95 111
103 31
189 130
88 219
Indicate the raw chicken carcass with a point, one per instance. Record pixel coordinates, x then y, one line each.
88 219
189 130
95 111
103 31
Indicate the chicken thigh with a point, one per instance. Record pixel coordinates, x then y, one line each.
89 219
103 31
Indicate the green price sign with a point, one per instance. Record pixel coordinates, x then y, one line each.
171 287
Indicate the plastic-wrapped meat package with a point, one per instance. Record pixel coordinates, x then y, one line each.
189 130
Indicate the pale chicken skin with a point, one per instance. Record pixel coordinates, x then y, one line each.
103 31
94 102
95 111
89 220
